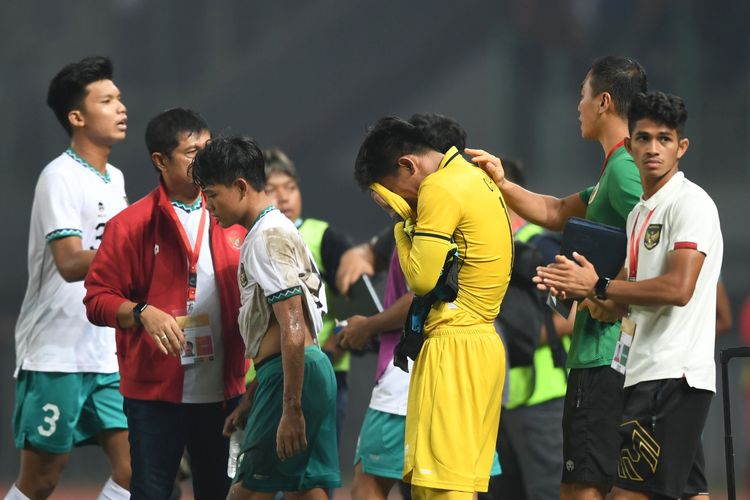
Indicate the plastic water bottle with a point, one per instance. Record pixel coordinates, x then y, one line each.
339 325
235 441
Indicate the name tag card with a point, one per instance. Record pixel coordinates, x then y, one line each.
199 345
622 349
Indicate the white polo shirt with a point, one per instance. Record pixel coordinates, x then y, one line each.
672 341
203 382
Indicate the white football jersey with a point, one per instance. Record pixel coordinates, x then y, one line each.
275 264
52 332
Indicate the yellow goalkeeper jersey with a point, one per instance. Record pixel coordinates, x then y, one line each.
459 202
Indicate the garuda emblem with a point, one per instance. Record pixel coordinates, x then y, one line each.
652 237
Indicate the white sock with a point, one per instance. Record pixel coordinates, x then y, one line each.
15 494
113 491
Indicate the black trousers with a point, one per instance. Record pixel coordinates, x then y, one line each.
159 432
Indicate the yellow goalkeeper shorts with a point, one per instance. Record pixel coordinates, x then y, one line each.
453 411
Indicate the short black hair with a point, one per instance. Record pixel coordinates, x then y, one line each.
278 161
163 130
664 109
441 132
386 141
226 159
514 171
67 90
621 77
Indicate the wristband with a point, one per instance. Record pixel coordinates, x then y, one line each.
600 289
137 310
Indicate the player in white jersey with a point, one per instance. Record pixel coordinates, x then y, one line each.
290 436
67 388
668 284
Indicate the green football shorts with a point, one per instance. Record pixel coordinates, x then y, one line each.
380 446
55 411
258 466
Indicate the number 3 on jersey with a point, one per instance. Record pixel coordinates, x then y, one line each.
99 234
51 420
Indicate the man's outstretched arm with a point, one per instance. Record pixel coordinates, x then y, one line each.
360 329
543 210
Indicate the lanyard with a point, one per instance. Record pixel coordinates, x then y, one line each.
635 244
606 158
193 253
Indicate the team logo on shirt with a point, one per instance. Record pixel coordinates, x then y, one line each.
102 212
234 238
243 276
652 237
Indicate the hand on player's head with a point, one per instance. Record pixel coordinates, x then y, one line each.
488 162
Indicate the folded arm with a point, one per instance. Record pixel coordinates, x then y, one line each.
422 258
675 287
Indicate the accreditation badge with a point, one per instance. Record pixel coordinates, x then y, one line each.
199 344
622 349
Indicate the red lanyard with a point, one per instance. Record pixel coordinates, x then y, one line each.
606 158
635 244
516 226
193 253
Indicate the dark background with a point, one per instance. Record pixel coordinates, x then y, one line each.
309 77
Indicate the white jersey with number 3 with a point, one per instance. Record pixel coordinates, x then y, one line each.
52 332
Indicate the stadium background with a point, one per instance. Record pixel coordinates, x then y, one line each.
309 77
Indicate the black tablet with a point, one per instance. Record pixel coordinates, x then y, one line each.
361 299
603 245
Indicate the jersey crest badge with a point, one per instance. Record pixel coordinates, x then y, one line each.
652 237
243 276
234 239
102 212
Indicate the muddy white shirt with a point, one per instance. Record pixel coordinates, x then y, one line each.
275 264
672 341
52 333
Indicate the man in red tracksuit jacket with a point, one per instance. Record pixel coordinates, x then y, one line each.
165 275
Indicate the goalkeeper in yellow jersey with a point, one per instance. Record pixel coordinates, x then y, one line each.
456 250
